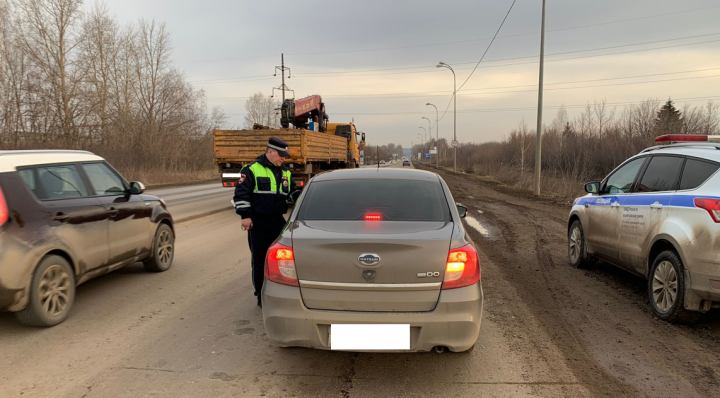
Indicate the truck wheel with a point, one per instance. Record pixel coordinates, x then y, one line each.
163 250
666 288
52 293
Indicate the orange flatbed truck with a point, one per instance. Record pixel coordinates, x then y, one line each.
311 152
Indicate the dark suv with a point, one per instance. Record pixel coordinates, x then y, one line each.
67 217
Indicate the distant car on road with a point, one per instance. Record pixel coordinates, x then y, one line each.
658 215
382 248
67 217
406 163
382 162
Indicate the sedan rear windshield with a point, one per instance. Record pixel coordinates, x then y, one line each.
393 200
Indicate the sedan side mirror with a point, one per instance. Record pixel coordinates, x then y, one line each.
136 188
462 210
592 187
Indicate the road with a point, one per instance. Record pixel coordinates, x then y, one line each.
195 331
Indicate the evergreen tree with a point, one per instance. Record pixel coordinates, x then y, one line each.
668 120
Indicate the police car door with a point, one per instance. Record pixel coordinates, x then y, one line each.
643 211
604 210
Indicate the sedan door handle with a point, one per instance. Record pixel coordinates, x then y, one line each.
615 204
113 213
60 217
656 205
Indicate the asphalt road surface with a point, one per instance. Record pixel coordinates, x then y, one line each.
195 331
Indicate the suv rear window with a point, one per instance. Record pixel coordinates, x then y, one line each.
661 174
394 200
60 182
696 172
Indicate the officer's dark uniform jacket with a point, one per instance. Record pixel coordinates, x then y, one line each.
263 189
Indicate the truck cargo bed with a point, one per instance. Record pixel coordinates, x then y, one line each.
243 146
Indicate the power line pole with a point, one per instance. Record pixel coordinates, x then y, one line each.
283 87
538 145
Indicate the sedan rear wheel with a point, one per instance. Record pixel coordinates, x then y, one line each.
52 293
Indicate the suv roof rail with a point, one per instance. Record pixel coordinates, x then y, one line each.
31 151
705 145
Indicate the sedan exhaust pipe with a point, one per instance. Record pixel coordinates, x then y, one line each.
439 349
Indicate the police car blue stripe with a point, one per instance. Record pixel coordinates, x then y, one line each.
676 200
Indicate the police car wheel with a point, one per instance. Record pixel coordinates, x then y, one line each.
666 288
577 253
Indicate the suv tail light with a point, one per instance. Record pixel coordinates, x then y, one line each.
4 211
280 265
712 206
462 269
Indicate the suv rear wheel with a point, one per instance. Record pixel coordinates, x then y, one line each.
52 293
163 250
666 287
577 253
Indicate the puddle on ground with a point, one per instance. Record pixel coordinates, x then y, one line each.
476 224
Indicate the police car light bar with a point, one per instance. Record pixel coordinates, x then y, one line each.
686 138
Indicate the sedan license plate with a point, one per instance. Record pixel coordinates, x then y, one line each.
369 337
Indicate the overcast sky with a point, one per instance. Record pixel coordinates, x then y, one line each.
335 48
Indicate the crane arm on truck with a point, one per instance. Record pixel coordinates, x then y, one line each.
303 111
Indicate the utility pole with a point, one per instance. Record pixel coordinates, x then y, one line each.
282 70
444 65
437 136
538 145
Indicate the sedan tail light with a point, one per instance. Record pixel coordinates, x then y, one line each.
280 265
462 269
4 211
712 206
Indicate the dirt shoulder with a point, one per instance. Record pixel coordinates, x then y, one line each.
598 318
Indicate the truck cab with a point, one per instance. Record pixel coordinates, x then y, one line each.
355 139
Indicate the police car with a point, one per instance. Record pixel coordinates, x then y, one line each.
658 215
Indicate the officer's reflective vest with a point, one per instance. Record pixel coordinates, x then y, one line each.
266 187
265 180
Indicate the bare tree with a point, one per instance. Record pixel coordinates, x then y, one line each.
100 50
712 118
262 110
50 38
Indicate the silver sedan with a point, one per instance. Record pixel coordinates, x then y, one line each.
374 260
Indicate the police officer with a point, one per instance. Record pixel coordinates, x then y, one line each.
260 199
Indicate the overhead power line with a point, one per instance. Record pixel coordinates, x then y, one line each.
353 73
421 94
488 47
527 108
432 69
458 41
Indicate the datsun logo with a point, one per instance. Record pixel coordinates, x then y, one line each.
369 259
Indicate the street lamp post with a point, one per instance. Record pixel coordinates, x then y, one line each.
424 140
437 136
429 128
444 65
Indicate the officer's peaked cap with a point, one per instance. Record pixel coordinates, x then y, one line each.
279 145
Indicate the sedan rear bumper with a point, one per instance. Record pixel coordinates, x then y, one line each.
454 323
